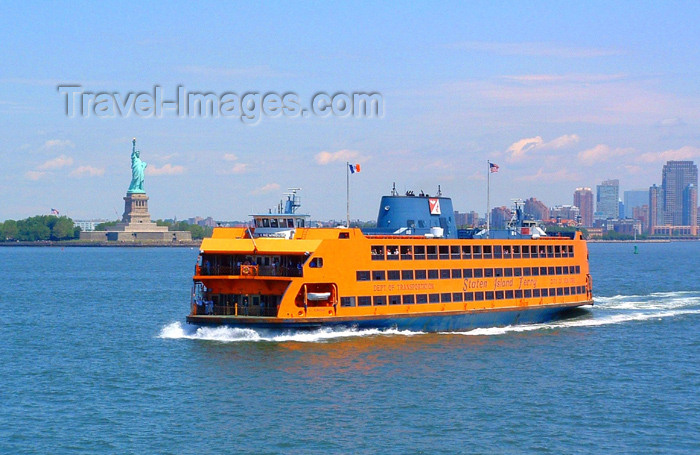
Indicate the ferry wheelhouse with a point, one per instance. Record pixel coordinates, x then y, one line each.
412 272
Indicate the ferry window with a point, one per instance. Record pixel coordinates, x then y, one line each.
432 274
543 271
316 263
420 275
362 275
265 222
420 252
550 251
394 300
550 271
434 298
499 295
479 295
518 293
393 275
290 222
273 223
392 252
545 292
432 252
378 275
526 252
466 252
535 292
557 251
456 273
578 269
406 252
535 271
508 272
478 273
300 223
509 294
457 296
565 270
487 252
377 252
498 251
379 300
410 224
407 274
567 291
528 293
409 299
421 298
498 272
444 252
572 269
344 235
516 251
446 297
445 274
488 273
468 296
364 301
489 295
560 291
507 251
347 301
476 253
454 252
467 273
421 224
571 251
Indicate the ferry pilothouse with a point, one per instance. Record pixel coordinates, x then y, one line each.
415 270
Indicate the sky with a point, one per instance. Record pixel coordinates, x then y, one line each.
559 94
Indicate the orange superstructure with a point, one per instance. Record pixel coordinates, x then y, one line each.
341 276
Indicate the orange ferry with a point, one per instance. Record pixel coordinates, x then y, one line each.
414 271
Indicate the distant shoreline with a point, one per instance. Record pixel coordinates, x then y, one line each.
72 243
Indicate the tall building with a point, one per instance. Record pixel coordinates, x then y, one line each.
634 198
536 209
676 176
656 207
500 216
565 212
607 200
690 205
583 199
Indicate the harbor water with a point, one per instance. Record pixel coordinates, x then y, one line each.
96 358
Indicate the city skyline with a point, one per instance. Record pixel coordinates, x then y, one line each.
578 98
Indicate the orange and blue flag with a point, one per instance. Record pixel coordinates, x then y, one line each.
354 168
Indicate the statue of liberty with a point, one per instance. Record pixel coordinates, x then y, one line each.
137 169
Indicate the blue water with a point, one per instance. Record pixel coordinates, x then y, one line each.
95 358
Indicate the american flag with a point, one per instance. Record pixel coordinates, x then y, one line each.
54 212
493 167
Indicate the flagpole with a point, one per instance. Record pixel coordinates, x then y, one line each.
488 198
347 190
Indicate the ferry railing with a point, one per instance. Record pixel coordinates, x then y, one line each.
248 270
241 309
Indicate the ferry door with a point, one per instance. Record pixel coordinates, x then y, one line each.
256 304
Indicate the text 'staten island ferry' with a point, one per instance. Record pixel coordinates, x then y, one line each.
414 271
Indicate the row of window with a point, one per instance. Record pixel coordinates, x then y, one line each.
420 252
434 274
449 297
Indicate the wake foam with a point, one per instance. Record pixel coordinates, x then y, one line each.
176 330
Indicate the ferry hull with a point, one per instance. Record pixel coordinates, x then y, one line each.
425 322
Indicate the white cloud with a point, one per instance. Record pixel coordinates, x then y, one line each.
230 157
600 153
519 149
53 143
684 153
543 176
324 157
87 171
34 175
56 163
266 189
166 169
